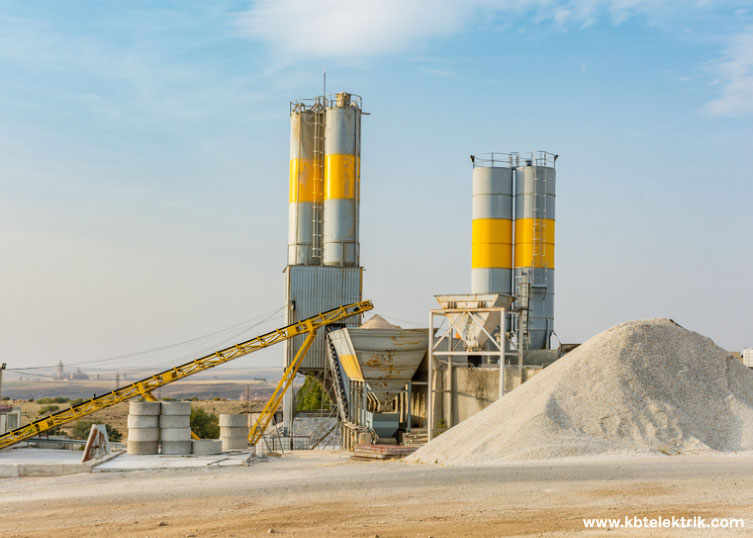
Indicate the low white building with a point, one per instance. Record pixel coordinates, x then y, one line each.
748 357
10 418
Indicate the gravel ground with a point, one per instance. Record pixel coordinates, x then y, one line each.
325 494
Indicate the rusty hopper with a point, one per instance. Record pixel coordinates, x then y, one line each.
385 359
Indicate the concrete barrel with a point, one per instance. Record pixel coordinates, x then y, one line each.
175 428
144 408
241 433
234 443
174 421
142 448
176 408
143 434
234 432
143 421
143 428
175 434
233 421
176 448
206 447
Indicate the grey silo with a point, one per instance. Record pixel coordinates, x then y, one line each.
492 199
533 276
342 150
305 185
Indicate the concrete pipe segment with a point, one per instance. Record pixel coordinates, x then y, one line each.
234 432
143 434
234 421
176 448
207 447
234 443
142 448
144 408
143 428
143 421
174 421
175 434
176 408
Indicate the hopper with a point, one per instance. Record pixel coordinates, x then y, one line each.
468 326
385 359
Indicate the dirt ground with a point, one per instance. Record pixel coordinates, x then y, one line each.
325 494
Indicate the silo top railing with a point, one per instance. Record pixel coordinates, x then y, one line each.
514 159
509 160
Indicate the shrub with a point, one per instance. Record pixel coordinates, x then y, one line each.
77 401
82 428
205 425
311 396
48 409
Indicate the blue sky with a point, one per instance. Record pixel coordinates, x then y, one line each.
143 168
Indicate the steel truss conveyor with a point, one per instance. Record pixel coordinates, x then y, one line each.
144 387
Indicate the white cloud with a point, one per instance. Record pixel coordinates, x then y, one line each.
735 71
299 28
335 28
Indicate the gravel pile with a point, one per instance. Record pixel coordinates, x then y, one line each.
378 322
647 387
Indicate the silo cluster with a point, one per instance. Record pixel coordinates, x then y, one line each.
325 153
513 237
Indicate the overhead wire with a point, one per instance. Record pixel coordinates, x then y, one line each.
266 316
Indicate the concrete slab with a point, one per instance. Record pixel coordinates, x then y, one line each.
21 462
127 462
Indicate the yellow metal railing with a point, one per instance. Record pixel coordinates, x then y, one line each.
144 387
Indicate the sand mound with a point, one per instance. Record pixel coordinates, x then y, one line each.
640 387
378 322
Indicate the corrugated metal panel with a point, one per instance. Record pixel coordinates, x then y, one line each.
313 289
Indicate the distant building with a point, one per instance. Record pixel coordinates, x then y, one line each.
61 372
748 357
78 375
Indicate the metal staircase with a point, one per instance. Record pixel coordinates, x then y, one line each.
337 380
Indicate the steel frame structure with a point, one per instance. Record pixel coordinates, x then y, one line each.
501 349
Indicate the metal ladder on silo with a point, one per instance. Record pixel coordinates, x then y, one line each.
539 226
318 206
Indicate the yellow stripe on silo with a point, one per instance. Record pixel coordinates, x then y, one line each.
351 367
491 243
302 181
341 177
526 232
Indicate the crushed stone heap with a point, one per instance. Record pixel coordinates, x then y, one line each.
646 387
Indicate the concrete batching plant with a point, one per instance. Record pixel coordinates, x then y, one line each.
323 268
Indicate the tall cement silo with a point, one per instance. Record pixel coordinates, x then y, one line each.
323 269
342 154
491 243
535 187
306 185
